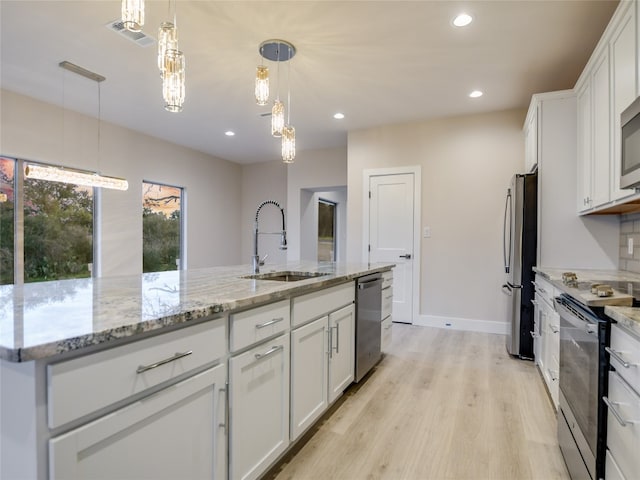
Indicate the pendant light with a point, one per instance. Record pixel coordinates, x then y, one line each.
173 85
72 176
288 132
277 51
133 15
167 37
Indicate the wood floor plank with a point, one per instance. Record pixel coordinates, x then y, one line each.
442 404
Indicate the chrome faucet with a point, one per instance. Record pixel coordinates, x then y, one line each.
255 258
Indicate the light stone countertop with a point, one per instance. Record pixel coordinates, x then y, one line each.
627 316
554 275
39 320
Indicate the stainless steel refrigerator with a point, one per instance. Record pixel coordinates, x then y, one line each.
519 246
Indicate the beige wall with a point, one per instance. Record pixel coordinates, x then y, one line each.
260 182
37 131
466 164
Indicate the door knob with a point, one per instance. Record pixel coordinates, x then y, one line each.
407 256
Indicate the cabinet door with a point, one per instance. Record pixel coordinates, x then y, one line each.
178 432
342 350
537 321
531 142
601 172
623 60
585 150
259 408
309 374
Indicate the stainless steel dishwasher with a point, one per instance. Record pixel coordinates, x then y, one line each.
368 323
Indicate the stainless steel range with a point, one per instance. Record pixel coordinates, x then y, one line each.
584 334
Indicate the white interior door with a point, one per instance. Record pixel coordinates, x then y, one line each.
391 235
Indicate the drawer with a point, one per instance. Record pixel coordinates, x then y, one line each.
624 441
257 324
387 279
625 347
612 470
387 301
545 289
317 304
385 333
78 387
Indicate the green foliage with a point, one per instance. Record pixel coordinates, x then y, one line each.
6 242
58 231
161 240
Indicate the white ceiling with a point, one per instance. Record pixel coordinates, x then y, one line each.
379 62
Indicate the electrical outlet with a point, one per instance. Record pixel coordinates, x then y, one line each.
630 245
426 233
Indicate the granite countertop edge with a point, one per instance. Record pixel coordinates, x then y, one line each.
625 315
215 309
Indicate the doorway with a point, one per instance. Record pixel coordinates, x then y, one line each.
317 243
391 232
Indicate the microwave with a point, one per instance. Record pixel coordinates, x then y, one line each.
630 148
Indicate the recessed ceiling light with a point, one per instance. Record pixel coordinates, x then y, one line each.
229 133
338 116
476 94
462 20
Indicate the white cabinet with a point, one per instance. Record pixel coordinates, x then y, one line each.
387 310
623 403
623 91
606 87
531 140
342 326
322 353
258 407
178 432
547 337
309 374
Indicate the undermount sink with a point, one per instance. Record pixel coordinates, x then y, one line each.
286 276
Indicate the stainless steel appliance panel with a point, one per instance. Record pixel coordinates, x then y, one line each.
582 340
569 445
519 249
368 323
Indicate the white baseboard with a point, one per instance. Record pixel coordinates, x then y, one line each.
468 324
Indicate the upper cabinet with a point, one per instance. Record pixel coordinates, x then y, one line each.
531 139
606 87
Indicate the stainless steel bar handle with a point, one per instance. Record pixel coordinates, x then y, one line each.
270 322
337 327
617 356
507 208
177 356
329 342
613 410
271 351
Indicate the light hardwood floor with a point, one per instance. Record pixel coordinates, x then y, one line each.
442 404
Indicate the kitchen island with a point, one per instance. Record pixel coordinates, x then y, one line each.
159 367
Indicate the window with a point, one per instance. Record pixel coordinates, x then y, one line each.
55 240
7 222
326 231
161 227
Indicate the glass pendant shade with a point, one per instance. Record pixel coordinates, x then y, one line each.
133 14
262 85
167 40
288 144
277 118
173 85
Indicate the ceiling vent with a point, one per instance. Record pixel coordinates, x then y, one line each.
139 38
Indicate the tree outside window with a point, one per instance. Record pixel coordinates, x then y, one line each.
161 227
56 233
7 222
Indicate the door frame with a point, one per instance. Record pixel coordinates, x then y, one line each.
416 170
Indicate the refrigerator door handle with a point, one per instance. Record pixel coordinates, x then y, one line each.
507 214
